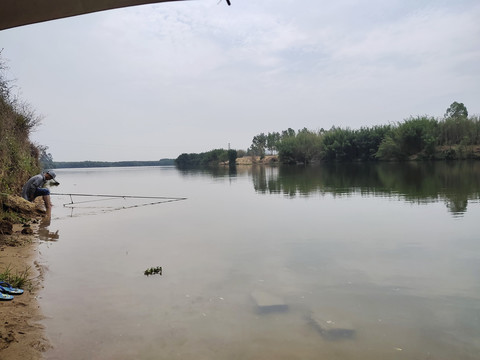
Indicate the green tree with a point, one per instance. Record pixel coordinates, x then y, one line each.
456 127
368 140
339 144
416 135
413 134
456 110
259 144
389 149
46 159
232 157
304 147
272 142
288 133
209 158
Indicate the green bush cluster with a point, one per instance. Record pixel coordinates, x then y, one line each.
422 137
212 157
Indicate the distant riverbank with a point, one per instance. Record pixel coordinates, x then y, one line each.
90 164
246 160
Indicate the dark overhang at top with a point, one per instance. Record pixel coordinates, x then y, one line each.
15 13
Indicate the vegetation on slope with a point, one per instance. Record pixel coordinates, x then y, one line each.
18 155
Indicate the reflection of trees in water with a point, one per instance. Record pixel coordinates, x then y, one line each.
214 171
457 206
454 182
265 179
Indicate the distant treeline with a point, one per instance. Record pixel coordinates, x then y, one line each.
91 164
456 136
212 157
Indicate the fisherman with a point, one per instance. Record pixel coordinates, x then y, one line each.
34 188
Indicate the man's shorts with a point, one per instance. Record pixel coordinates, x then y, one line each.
41 192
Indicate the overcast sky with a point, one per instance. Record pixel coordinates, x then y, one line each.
155 81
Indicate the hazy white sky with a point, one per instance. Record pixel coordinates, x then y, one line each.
155 81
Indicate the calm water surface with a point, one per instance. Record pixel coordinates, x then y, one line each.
354 261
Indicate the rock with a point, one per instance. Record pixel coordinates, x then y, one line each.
27 231
6 227
332 325
6 339
267 302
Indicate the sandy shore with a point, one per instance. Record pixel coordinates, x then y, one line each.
21 334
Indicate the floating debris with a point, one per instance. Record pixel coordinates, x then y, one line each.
153 271
267 302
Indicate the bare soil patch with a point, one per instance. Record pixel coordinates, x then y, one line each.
252 160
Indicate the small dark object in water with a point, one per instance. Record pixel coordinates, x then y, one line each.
153 271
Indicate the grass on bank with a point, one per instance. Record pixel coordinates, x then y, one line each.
19 156
18 279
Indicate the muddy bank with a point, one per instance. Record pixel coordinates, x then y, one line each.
21 334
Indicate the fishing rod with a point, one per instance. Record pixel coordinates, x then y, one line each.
168 198
123 196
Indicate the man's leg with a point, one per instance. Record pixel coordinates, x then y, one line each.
45 194
48 203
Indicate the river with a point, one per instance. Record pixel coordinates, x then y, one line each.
353 261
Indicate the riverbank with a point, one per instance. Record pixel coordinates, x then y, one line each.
257 160
21 333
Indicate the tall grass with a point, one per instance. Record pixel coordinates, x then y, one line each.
18 279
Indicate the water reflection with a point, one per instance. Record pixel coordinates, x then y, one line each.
254 276
43 231
455 183
214 171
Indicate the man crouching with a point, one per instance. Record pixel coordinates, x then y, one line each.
34 188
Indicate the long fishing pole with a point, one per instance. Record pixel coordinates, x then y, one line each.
112 197
124 196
